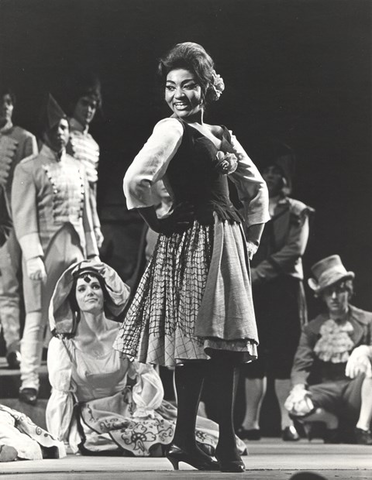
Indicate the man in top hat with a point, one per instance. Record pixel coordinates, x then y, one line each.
278 293
331 345
85 100
53 224
15 144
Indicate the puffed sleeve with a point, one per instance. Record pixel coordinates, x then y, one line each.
59 412
151 163
250 185
148 392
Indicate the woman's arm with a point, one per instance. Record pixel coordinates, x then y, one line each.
59 411
148 392
252 192
150 165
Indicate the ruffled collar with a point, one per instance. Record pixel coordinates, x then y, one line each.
335 343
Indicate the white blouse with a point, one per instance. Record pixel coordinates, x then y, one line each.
77 376
151 163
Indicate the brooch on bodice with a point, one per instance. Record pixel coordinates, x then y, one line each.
225 162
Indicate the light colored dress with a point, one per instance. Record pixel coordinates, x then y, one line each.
95 409
32 442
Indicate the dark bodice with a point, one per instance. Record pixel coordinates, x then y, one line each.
194 178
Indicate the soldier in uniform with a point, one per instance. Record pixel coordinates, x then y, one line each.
53 223
85 100
15 144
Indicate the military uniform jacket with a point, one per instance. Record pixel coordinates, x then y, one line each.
15 144
85 149
47 193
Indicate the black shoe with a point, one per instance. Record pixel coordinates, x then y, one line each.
363 437
196 459
234 464
253 434
14 360
28 395
331 435
290 434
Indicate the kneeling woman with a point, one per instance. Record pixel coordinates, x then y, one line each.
101 403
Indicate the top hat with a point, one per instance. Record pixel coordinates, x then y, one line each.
327 272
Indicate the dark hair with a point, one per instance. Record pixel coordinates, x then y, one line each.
345 284
83 84
193 57
72 296
8 91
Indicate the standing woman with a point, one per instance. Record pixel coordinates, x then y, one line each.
193 307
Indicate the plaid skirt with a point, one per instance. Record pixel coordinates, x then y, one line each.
160 324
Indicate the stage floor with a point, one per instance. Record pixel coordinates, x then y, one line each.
267 459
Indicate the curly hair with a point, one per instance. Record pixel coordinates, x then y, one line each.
83 84
193 57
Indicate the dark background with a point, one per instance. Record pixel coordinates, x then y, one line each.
298 71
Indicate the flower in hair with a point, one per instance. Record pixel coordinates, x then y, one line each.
217 86
226 163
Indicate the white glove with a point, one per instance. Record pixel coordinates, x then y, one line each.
36 269
359 362
99 236
252 249
299 401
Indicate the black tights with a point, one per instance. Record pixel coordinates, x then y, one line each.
222 376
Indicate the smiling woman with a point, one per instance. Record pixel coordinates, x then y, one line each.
193 308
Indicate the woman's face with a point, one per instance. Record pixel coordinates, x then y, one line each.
85 109
89 294
182 93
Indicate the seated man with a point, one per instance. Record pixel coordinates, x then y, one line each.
322 392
